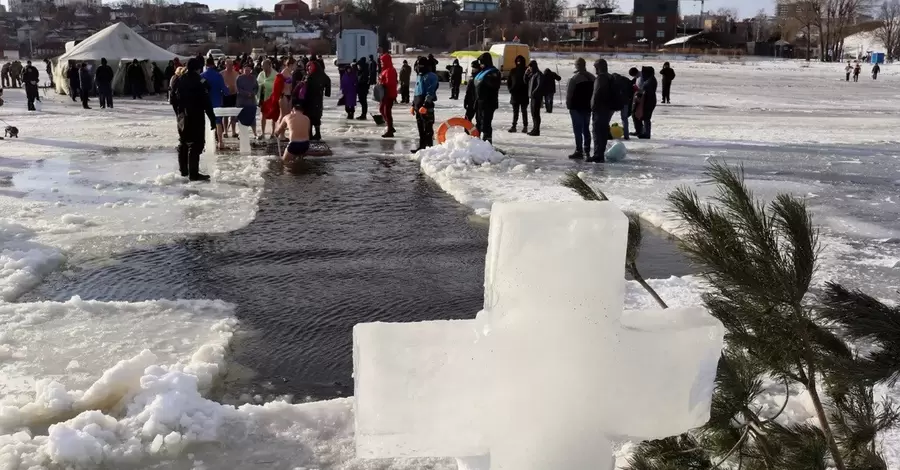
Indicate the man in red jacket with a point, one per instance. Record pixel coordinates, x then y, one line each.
388 80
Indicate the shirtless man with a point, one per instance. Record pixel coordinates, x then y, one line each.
298 125
230 76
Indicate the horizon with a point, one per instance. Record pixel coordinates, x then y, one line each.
745 8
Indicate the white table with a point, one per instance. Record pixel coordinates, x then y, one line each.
243 131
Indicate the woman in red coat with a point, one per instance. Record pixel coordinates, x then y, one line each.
388 80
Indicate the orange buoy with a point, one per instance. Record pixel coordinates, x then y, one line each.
455 122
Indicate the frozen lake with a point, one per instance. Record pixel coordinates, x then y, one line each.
90 206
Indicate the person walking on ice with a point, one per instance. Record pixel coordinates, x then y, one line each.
848 70
298 125
876 69
856 71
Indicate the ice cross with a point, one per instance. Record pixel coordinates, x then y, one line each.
550 370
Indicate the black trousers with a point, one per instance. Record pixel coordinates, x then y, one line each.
454 90
536 105
600 131
191 140
425 123
666 91
404 92
485 123
84 98
523 107
31 92
74 88
104 93
363 94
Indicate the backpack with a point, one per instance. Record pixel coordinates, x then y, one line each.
620 91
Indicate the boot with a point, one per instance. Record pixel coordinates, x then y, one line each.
388 134
525 129
198 177
578 155
362 117
512 130
535 132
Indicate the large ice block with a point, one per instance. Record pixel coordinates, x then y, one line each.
416 388
551 369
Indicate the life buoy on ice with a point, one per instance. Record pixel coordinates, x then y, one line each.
455 122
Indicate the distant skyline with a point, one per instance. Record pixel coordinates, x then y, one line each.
746 8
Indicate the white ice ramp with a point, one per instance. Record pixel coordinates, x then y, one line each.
550 369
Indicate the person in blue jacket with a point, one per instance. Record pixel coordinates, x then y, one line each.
217 92
423 100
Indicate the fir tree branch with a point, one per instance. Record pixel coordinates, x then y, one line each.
574 182
736 445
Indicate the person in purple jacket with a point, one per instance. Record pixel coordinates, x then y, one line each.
217 91
348 90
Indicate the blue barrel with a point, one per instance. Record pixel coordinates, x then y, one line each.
878 57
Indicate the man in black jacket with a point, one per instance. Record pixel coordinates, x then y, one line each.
405 75
373 70
550 79
578 102
104 78
30 79
469 101
518 94
601 110
72 75
536 95
87 83
362 88
487 91
193 106
668 75
456 72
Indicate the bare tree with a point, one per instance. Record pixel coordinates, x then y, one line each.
728 13
888 31
610 4
544 10
805 16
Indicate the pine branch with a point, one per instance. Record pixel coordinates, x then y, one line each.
864 319
574 182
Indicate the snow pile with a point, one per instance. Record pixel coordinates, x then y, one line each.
23 263
150 403
460 158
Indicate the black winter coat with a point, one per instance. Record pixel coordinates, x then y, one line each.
191 102
405 74
104 75
72 75
517 86
30 75
667 75
550 79
579 91
487 90
536 85
456 72
469 99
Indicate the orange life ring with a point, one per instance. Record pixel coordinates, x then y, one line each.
455 122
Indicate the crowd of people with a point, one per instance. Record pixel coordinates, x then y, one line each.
288 93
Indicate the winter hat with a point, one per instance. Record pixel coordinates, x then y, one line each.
475 64
195 64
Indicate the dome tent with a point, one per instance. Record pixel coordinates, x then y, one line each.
119 45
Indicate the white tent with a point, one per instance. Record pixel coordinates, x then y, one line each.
119 45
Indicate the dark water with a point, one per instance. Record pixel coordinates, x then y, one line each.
339 241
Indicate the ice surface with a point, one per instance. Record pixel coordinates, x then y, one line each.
550 332
431 365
